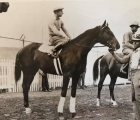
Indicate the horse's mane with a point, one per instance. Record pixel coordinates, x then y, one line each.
88 32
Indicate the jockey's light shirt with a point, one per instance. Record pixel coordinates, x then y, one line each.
127 40
55 34
54 27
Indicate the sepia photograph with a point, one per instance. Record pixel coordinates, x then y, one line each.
70 60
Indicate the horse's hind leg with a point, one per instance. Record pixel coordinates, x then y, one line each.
111 88
100 84
63 96
27 80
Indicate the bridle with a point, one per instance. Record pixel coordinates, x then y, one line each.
107 44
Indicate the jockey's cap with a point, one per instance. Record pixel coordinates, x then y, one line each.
135 23
57 9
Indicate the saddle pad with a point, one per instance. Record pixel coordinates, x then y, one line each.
45 48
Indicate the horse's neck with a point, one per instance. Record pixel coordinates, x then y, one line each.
88 38
81 45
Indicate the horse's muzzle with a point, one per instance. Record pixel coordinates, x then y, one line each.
114 44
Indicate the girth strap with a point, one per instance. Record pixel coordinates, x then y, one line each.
57 66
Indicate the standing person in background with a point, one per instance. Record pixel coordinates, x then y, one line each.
45 83
82 78
57 39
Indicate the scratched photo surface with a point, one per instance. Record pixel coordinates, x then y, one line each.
26 53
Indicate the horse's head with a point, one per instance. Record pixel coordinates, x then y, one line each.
107 38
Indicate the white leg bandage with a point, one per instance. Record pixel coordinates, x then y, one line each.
61 104
98 102
28 110
72 105
114 103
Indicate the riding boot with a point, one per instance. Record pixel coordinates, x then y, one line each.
54 52
47 84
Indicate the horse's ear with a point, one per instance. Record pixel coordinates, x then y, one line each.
104 23
107 24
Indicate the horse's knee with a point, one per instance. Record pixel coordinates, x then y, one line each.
99 86
25 87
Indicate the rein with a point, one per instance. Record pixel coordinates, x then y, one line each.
86 46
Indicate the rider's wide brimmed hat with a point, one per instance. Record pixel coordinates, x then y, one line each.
136 39
58 8
135 23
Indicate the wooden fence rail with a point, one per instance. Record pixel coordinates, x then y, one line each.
7 78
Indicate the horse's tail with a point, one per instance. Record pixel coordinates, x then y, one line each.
17 69
95 69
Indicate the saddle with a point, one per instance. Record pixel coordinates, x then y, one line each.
47 49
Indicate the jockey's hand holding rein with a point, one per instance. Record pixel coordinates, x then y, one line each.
111 50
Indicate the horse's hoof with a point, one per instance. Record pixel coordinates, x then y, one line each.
61 116
97 105
73 115
98 102
115 105
28 110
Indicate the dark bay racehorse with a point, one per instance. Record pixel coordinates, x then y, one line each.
107 65
72 58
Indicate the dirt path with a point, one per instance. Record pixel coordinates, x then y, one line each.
44 105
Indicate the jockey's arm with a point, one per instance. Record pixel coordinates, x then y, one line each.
127 42
65 30
122 60
54 29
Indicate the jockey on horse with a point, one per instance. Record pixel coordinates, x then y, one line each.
57 39
128 46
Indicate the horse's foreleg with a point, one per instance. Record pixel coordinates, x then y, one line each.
63 96
111 88
73 95
27 80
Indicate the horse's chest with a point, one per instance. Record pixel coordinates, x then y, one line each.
72 64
